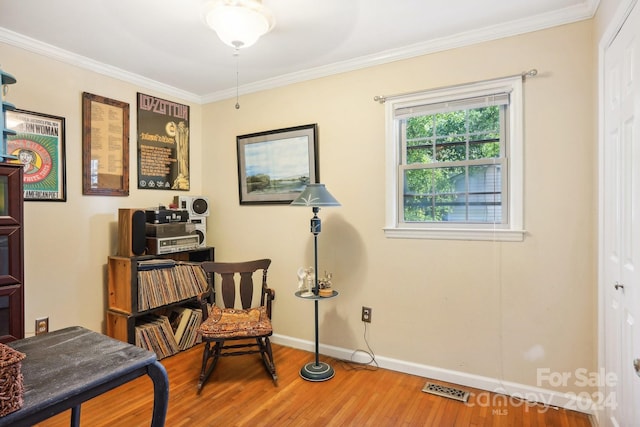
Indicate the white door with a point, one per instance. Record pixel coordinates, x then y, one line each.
621 226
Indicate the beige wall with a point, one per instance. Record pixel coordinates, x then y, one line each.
67 244
485 308
492 309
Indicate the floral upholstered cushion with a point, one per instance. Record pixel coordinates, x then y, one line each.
235 323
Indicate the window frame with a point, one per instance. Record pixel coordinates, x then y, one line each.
512 230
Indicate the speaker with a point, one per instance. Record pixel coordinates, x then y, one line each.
201 229
131 232
197 206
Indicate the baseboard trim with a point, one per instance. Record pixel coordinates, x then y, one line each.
551 398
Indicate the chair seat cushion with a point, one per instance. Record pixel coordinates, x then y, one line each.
227 323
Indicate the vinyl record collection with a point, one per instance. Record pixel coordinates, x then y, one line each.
169 282
163 282
166 335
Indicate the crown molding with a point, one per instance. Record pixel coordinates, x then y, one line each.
35 46
513 28
535 23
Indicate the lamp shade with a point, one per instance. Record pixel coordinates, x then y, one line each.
315 195
239 23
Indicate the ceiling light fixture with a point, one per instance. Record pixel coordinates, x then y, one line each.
239 23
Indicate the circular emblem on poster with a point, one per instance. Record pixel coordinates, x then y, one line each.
170 129
35 159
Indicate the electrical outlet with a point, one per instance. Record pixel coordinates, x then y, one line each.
366 314
42 325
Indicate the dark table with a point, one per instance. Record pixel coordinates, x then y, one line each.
65 368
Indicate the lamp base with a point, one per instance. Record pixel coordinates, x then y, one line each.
319 372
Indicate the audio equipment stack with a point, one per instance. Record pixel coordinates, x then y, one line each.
157 231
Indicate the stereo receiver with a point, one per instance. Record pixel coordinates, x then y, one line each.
167 245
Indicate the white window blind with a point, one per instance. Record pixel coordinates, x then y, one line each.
448 106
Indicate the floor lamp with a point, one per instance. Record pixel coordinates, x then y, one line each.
316 196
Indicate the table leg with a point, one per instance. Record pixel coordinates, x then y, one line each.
75 416
160 393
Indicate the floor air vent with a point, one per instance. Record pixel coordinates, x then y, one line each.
443 391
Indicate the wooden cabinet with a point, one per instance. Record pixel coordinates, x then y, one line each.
11 253
128 281
11 232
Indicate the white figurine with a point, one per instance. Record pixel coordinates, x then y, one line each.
306 280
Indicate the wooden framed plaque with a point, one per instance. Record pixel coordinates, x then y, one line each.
105 146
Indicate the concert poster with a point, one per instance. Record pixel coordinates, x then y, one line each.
39 146
163 144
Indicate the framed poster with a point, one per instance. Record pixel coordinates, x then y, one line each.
39 144
275 166
105 146
163 144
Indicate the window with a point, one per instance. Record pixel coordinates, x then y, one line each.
454 162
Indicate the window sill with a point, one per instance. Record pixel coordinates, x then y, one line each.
456 234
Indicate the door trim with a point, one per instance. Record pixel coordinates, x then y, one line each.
612 29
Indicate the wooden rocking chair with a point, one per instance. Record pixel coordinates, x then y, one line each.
230 320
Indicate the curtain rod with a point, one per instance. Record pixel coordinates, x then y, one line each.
531 73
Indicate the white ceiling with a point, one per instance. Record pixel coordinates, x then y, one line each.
165 44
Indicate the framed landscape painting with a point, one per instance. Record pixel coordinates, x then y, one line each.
275 166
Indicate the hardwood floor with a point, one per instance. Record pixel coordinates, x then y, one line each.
240 393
